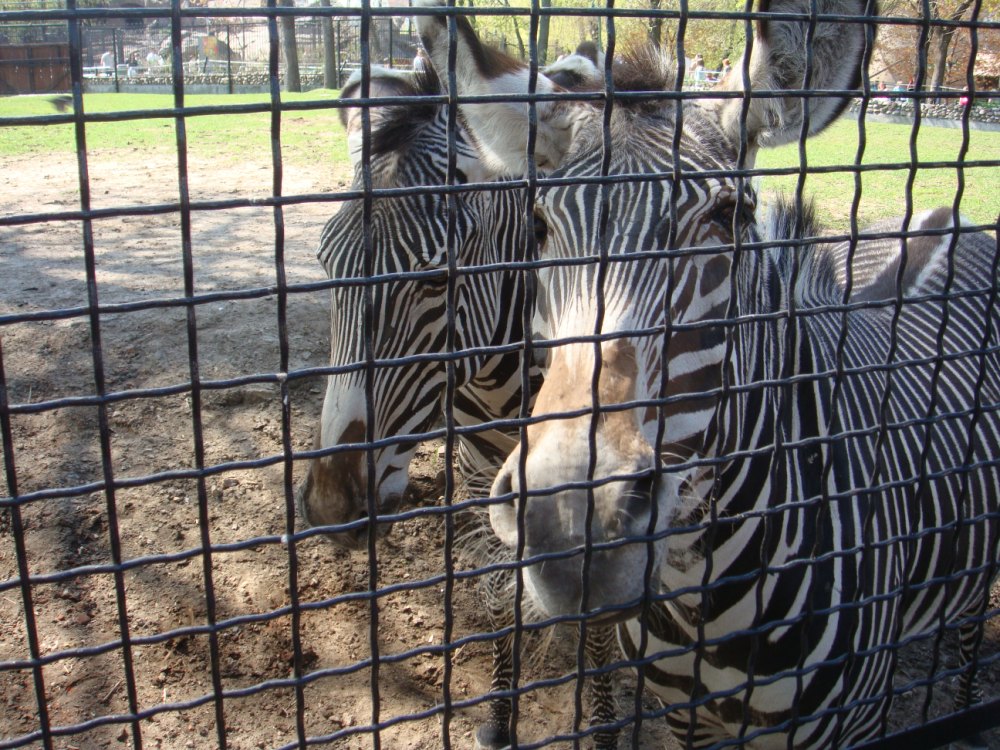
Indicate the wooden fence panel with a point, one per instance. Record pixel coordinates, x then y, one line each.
34 68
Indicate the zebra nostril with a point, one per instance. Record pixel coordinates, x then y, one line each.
643 488
635 504
504 488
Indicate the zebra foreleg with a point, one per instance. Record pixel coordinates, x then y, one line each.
498 594
599 650
969 693
495 733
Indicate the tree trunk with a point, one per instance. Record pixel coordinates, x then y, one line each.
517 35
543 33
655 25
940 41
330 77
517 31
288 48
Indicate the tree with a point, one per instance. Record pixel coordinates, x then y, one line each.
331 76
543 33
289 49
940 37
947 47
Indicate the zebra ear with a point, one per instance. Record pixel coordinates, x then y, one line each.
381 82
498 128
780 61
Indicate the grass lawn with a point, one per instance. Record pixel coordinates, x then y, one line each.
308 135
305 134
883 191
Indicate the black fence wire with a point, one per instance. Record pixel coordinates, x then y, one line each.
181 441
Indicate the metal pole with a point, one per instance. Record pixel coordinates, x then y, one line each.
114 46
229 60
336 52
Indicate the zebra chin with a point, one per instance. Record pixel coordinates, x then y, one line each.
611 591
345 521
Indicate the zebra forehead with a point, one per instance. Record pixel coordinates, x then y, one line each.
650 163
642 140
639 121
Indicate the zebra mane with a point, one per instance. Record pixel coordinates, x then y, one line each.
643 68
396 126
785 219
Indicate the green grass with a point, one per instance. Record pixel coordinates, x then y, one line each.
883 191
306 135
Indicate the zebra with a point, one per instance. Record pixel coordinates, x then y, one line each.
407 236
408 148
741 425
408 239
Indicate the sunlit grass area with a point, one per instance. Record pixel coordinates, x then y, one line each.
305 135
930 176
934 169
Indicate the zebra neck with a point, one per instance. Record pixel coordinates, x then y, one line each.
763 412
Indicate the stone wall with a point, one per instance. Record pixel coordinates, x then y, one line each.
947 109
242 82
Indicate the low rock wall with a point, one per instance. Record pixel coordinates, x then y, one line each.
196 83
946 109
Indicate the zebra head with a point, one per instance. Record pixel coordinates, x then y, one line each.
390 305
639 264
400 239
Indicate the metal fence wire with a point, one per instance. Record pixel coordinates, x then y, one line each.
618 442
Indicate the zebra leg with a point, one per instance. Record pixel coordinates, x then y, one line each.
969 693
495 733
599 650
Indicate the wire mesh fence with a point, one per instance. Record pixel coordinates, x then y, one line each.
135 54
567 323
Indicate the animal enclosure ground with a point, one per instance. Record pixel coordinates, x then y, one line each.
138 259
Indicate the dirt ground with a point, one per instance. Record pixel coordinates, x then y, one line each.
161 595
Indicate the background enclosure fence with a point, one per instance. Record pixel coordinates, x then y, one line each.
135 53
164 345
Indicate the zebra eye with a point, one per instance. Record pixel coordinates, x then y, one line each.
460 177
439 279
541 229
433 272
725 212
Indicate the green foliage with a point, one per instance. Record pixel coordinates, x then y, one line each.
50 4
31 4
53 4
714 39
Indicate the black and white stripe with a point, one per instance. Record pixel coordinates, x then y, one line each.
772 457
398 299
848 472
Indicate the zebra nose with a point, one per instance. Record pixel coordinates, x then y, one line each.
633 507
503 510
503 487
321 501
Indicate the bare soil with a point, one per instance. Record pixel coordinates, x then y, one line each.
168 591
